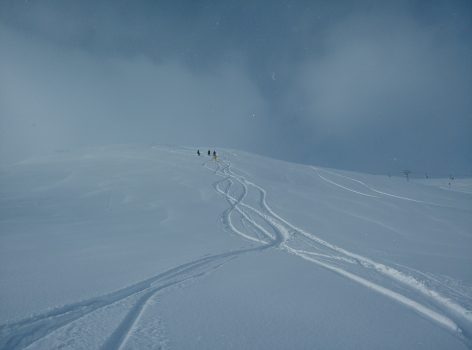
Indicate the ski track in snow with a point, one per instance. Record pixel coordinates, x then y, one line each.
257 223
370 188
446 313
346 188
27 332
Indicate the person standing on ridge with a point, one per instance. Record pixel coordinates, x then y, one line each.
198 152
214 155
209 152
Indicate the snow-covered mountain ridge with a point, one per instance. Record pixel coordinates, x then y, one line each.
155 247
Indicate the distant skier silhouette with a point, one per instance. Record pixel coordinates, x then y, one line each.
214 155
198 152
209 152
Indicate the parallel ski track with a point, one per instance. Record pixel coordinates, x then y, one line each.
22 334
261 225
446 313
377 193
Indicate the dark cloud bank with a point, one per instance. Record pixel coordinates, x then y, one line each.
366 85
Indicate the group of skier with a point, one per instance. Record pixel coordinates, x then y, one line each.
209 153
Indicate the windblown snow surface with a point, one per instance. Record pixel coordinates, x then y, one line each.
134 247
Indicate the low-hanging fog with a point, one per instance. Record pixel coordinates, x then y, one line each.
365 85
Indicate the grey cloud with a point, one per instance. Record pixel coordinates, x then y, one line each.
388 73
57 99
339 83
388 83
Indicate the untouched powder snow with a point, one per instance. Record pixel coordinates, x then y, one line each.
134 247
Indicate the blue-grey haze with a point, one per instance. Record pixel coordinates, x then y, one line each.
376 86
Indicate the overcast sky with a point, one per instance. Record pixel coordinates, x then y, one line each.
375 86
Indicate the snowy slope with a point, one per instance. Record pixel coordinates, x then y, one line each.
154 247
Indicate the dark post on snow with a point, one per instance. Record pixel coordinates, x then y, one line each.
407 174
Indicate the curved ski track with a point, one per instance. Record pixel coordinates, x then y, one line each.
375 192
257 223
403 288
26 332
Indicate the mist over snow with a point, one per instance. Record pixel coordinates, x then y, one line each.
335 213
125 247
368 86
70 99
387 88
